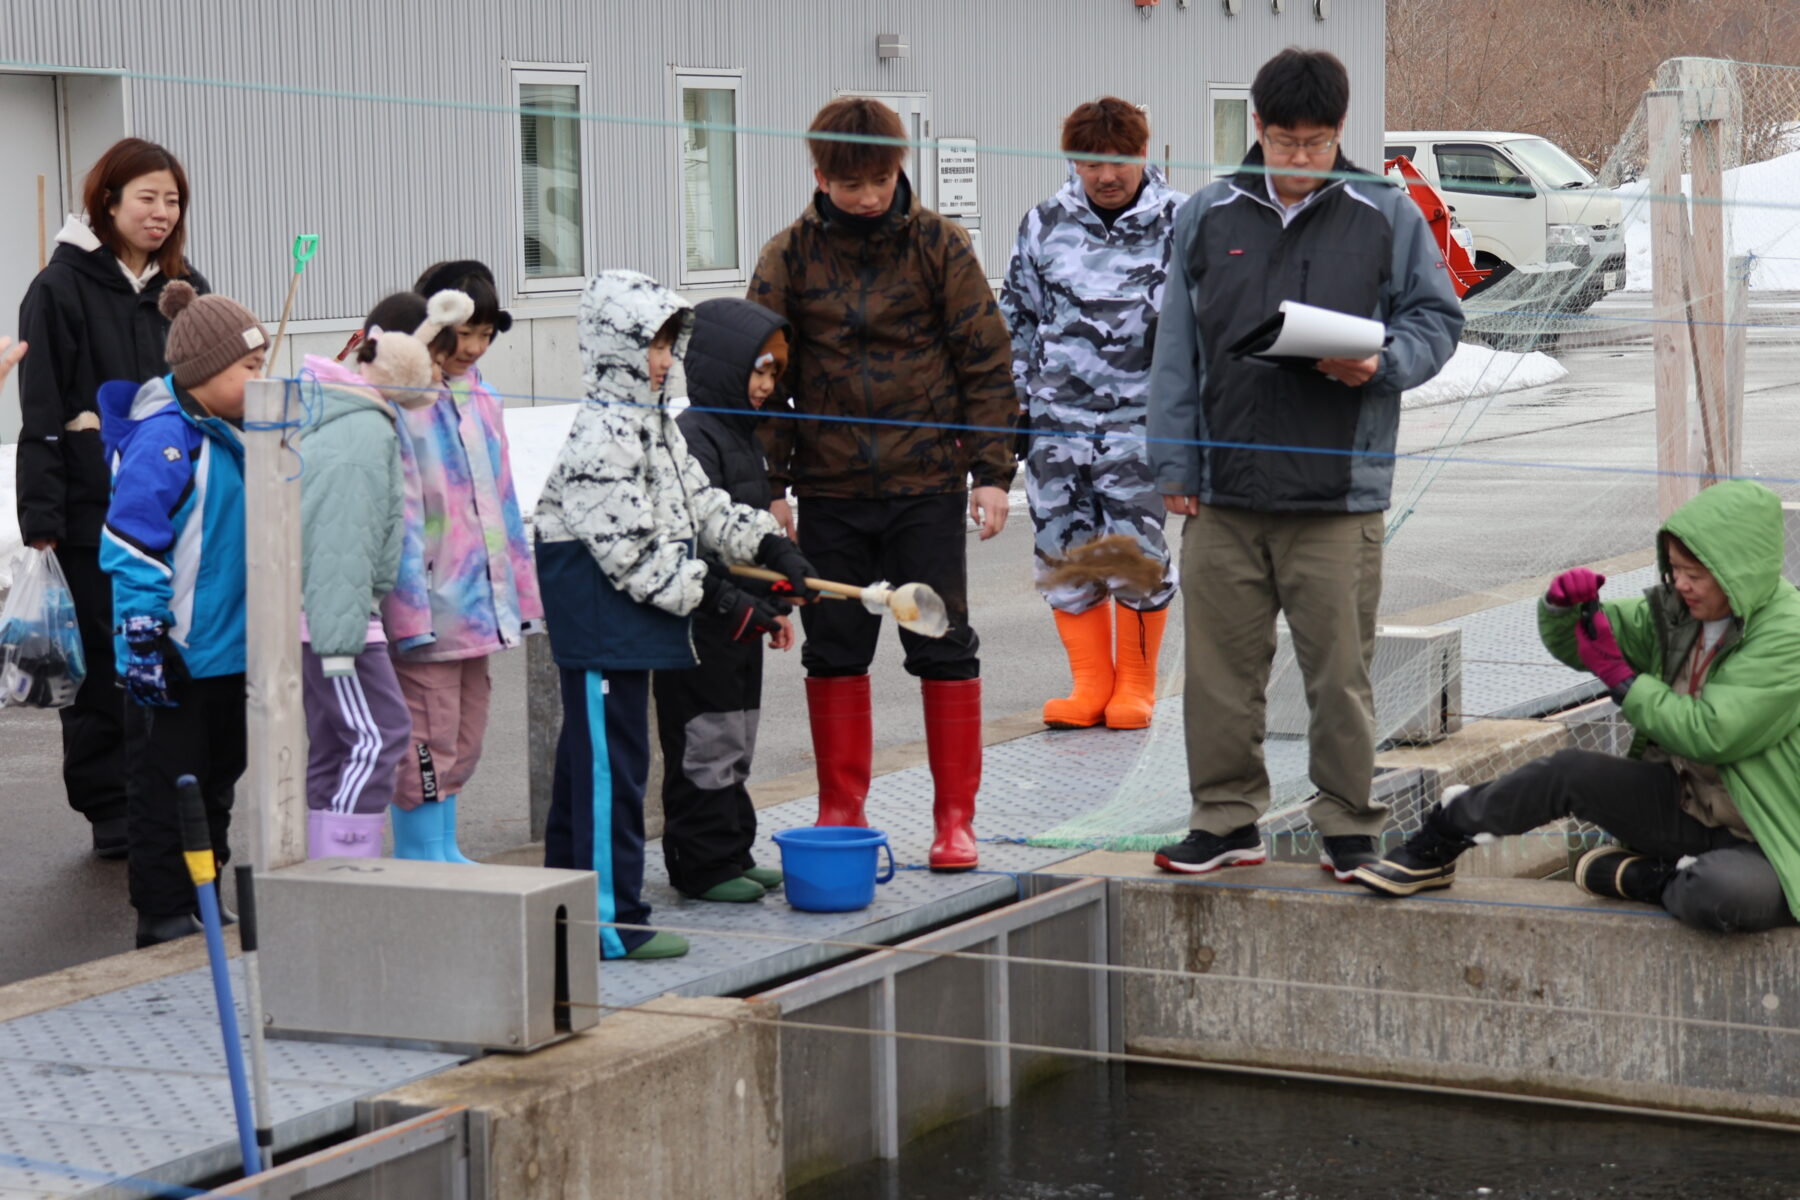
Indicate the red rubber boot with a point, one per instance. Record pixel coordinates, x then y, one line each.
953 746
843 738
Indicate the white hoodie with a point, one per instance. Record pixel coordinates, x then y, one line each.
624 483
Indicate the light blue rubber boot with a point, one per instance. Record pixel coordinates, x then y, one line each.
452 853
418 832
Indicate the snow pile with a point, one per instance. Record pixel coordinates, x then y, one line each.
1762 220
1475 371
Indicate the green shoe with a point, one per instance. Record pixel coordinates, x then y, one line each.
769 877
660 945
742 890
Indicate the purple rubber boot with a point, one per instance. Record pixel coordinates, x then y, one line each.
343 835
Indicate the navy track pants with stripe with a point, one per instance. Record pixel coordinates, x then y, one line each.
596 818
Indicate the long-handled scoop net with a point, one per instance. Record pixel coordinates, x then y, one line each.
914 605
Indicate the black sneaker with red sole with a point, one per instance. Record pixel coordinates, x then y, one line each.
1200 852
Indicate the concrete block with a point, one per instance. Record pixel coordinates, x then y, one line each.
1523 987
670 1104
1480 751
497 983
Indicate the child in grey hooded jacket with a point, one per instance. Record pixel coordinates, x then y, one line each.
352 520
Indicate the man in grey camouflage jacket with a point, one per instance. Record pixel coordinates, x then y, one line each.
1082 296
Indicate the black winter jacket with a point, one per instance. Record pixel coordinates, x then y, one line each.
1238 433
86 326
720 428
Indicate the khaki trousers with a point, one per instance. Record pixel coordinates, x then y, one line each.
1323 570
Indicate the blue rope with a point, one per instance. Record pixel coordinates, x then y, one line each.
311 395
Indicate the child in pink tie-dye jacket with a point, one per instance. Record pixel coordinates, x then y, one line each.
466 588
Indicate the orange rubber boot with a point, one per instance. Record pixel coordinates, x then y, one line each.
953 747
1088 639
843 738
1134 687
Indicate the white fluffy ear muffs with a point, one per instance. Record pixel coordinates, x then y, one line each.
401 369
445 310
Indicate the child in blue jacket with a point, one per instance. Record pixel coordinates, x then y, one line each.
173 544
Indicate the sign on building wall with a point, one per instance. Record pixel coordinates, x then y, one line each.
956 189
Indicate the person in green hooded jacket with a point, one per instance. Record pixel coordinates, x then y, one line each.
1706 668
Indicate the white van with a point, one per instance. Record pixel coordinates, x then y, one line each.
1527 203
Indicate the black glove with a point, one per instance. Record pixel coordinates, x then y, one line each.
1022 435
779 554
747 617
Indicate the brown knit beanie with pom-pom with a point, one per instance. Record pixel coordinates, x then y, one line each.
206 333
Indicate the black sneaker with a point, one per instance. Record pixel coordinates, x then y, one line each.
109 838
154 931
1200 852
1342 855
1617 874
1426 860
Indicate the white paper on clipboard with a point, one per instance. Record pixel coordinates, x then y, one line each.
1313 333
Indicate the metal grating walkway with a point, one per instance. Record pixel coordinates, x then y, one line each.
133 1084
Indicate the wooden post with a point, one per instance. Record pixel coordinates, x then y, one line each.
275 718
1737 328
1705 151
1668 226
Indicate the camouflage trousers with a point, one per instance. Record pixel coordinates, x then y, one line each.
1087 487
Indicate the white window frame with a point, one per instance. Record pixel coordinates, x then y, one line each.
1228 91
568 75
720 79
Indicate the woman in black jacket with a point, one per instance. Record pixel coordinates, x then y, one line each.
90 316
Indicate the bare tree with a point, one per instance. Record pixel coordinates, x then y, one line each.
1575 71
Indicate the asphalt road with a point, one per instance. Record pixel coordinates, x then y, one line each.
1541 480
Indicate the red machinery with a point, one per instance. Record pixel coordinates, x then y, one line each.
1463 271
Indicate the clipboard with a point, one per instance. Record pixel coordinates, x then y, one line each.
1299 335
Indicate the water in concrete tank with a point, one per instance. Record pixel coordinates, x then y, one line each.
1121 1133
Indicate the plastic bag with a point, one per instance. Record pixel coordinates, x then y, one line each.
41 659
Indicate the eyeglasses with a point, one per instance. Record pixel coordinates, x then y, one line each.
1290 147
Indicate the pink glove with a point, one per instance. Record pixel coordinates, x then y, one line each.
1574 588
1601 654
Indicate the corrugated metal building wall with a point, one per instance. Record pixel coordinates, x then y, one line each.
391 187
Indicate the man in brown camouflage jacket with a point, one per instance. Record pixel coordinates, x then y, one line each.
902 401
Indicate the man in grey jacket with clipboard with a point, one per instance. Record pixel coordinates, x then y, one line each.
1284 467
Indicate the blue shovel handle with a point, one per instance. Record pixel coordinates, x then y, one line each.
197 850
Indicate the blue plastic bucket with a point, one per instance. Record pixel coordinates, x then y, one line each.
832 868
